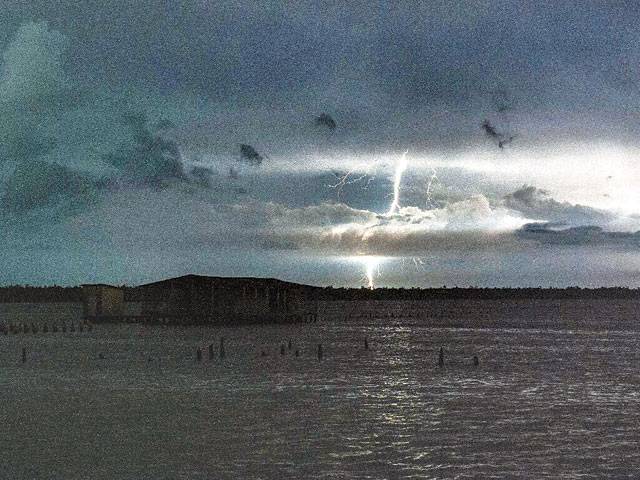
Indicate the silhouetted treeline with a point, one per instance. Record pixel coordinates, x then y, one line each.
74 294
27 294
330 293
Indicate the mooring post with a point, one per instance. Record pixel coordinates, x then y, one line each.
222 352
211 351
441 358
476 362
289 344
366 343
319 351
24 355
199 354
282 351
297 353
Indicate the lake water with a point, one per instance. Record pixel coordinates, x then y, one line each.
543 403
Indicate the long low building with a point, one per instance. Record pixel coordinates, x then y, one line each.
196 299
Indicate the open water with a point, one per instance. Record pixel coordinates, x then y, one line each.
132 402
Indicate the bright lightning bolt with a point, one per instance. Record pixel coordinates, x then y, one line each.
371 263
372 269
351 177
400 168
344 180
433 178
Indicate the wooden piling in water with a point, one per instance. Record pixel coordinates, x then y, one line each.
282 351
319 351
297 353
290 344
441 358
476 362
24 355
222 352
366 343
211 351
199 354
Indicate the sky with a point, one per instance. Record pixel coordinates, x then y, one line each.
398 144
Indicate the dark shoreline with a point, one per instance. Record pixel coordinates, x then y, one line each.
36 294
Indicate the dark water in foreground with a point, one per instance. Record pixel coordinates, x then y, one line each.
542 404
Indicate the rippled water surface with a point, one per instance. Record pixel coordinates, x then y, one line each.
544 403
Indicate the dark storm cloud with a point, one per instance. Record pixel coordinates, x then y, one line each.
209 75
536 203
325 120
25 146
410 60
500 138
37 184
590 235
250 155
202 175
150 158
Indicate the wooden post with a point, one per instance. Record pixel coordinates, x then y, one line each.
211 351
199 355
476 362
282 349
441 358
319 351
24 355
366 344
222 352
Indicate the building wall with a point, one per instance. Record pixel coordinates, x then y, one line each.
195 299
103 301
214 300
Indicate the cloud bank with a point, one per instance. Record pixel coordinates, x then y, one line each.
244 137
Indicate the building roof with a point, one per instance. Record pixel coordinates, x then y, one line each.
204 279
